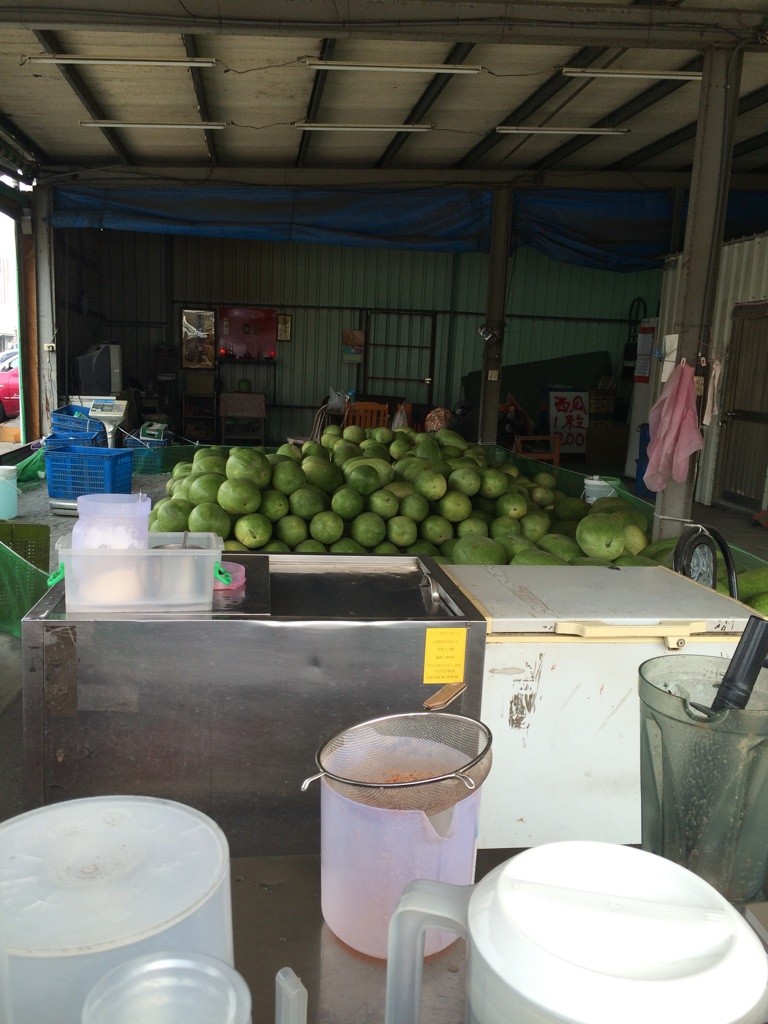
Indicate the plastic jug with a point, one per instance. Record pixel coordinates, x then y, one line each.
112 521
170 988
89 884
369 854
585 933
9 493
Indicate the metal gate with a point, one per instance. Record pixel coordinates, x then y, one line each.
400 354
742 458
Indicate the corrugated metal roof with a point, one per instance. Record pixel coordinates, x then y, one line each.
260 87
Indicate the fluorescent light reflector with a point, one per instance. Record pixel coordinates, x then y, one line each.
305 126
424 69
155 62
213 125
681 76
504 129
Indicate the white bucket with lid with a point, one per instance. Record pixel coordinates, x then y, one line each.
111 521
9 493
595 487
89 884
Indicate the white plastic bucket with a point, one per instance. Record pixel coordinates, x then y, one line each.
369 854
9 493
111 521
89 884
595 487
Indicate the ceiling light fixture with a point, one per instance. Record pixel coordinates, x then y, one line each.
679 76
155 62
213 125
306 126
505 129
425 69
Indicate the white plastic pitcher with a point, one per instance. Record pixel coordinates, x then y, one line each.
89 884
369 854
585 933
170 988
9 493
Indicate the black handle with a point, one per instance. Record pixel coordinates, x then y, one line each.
741 675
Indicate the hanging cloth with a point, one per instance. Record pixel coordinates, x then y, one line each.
674 430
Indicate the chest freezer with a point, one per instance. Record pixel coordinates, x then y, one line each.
560 689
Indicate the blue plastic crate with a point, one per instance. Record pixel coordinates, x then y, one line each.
74 418
78 470
66 439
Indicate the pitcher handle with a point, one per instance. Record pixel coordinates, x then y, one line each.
424 904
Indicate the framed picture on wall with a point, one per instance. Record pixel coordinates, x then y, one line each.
283 327
198 339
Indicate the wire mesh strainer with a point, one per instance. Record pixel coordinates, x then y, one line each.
425 761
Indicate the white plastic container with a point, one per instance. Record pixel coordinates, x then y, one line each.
175 573
89 884
595 487
586 933
171 988
9 493
369 854
111 521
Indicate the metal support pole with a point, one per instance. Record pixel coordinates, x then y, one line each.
700 261
46 314
494 320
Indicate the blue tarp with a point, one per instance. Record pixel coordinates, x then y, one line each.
604 230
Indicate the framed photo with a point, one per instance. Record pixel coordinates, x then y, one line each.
198 339
283 327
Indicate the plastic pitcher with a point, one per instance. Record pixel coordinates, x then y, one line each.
9 493
369 854
704 778
89 884
400 799
112 521
170 988
585 933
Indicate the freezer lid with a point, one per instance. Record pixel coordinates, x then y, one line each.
596 600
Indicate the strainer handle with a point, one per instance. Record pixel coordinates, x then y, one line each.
468 782
307 782
424 904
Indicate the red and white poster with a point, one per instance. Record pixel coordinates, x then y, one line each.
569 417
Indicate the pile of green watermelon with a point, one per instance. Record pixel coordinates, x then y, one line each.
379 491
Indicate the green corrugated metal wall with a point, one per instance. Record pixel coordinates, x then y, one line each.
554 309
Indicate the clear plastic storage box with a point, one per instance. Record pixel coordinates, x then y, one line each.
174 574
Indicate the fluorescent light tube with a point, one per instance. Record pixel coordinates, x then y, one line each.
681 76
306 126
155 62
504 129
425 69
214 125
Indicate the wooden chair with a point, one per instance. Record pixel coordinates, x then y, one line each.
541 447
367 414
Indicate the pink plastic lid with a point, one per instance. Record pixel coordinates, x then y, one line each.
236 571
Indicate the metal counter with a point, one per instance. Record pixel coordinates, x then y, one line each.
224 710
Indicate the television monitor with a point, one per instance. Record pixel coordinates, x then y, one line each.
99 371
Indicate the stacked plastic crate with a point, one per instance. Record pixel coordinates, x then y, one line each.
78 461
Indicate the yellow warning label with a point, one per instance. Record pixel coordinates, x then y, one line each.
445 652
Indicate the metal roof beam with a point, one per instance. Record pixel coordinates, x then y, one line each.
637 105
74 80
499 21
553 85
423 105
190 47
753 100
327 48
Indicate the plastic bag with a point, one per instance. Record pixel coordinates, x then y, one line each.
32 468
335 401
399 420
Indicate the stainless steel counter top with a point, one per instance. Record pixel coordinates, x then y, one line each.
278 923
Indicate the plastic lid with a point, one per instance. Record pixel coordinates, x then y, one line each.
65 866
179 988
597 932
236 571
7 472
113 505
